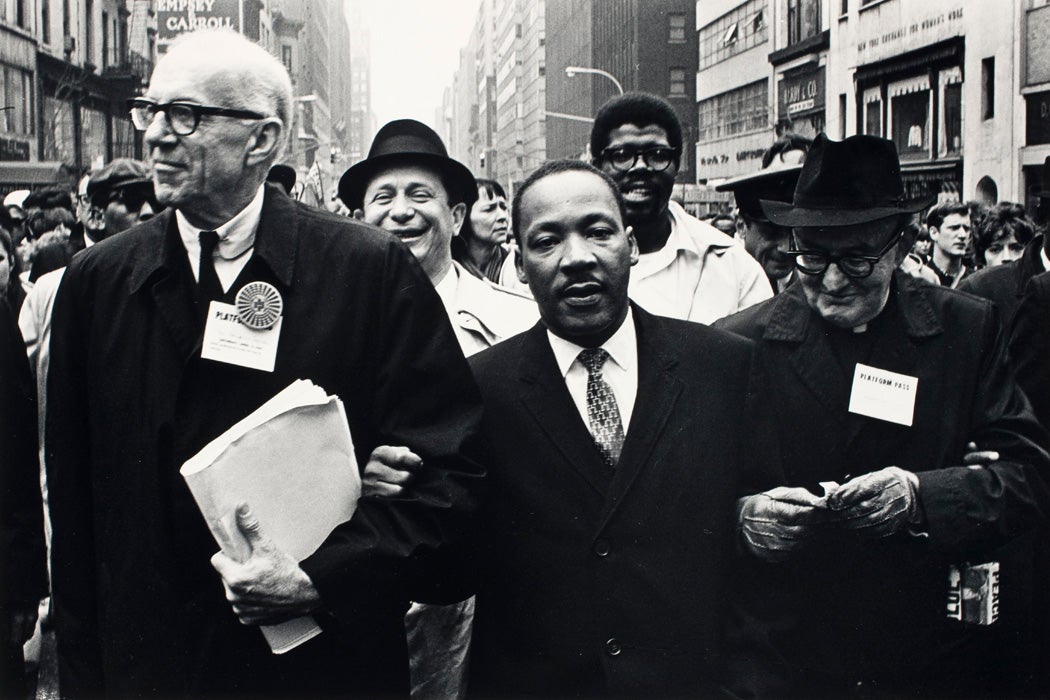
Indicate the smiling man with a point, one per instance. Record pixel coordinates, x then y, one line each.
687 269
142 607
888 379
617 446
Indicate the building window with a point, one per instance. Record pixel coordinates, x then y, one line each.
952 119
105 39
803 18
286 57
738 111
45 21
17 94
872 112
910 117
988 87
676 28
732 33
676 83
844 8
842 115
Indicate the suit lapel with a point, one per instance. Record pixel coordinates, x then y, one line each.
171 294
547 400
658 392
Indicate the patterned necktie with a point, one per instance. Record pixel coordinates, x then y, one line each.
208 286
603 414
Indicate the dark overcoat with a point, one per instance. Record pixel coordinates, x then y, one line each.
1005 284
854 613
138 608
610 583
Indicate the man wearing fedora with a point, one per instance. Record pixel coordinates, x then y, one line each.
409 187
876 570
767 242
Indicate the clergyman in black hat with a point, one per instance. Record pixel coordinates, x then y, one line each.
410 187
875 562
767 242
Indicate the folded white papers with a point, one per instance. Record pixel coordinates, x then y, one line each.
292 461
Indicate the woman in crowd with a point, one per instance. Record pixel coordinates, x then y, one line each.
1002 234
479 247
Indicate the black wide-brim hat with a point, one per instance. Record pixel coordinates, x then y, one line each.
842 183
407 141
774 183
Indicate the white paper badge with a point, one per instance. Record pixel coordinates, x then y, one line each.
227 339
879 393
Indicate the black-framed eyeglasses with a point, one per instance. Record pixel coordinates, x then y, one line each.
623 159
810 262
184 117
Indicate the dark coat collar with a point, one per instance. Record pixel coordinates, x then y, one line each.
1030 264
791 316
276 241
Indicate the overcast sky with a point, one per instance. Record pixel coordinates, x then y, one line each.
415 51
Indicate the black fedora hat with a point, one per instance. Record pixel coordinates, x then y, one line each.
406 140
846 182
775 181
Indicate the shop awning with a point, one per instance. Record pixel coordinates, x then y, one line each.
29 174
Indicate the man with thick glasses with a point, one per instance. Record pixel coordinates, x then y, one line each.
910 456
688 269
144 606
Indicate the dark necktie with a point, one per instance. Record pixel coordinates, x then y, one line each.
603 414
208 286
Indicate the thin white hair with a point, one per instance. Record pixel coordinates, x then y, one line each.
233 66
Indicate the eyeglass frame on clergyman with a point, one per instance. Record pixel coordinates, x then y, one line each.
646 154
864 260
196 111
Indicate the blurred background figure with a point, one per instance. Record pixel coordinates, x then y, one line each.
13 205
1002 234
950 225
123 191
923 246
480 246
10 263
52 248
283 175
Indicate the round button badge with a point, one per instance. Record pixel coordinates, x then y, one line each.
259 305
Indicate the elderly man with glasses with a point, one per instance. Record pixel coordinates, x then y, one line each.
139 385
880 567
687 269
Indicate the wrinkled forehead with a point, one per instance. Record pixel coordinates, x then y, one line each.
181 77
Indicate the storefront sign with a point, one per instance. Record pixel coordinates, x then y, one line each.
731 157
175 17
13 149
1037 122
889 30
801 93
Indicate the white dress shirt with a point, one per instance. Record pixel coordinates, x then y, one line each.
620 371
236 240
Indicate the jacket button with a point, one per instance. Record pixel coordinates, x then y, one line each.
601 548
613 647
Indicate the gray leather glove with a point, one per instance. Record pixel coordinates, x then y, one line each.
878 504
776 523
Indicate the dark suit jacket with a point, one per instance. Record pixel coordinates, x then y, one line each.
875 610
596 583
138 608
1005 284
1030 345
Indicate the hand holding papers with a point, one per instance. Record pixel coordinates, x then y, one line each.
292 462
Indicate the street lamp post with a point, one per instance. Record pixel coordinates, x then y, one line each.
571 71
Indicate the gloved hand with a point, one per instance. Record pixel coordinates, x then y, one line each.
878 504
776 523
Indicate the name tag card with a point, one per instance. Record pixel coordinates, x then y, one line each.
879 393
227 339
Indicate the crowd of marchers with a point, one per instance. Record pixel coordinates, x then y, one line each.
607 448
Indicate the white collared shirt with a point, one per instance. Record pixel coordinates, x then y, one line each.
1044 258
700 274
620 371
236 240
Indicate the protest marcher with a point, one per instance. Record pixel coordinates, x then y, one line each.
950 226
890 383
410 187
480 247
123 191
765 241
1001 235
24 573
142 608
1006 284
616 449
687 269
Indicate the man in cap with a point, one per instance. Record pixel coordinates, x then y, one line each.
765 241
409 187
618 443
687 269
881 579
136 391
123 191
